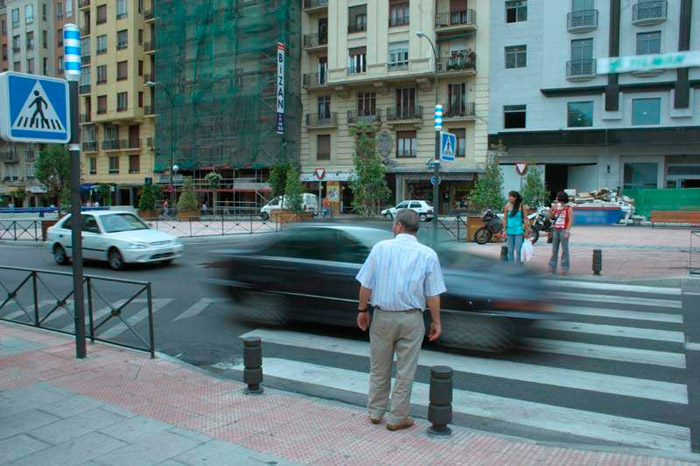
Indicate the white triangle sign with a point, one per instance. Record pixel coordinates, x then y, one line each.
38 114
521 168
320 173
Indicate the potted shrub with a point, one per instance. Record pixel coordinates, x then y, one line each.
187 205
292 209
147 203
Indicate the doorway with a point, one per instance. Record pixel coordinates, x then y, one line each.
556 178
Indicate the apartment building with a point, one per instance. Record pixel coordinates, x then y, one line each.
116 111
364 63
627 130
66 11
4 43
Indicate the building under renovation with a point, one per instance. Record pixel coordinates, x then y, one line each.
216 94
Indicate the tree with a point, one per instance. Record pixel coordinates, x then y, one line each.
105 191
53 171
488 193
20 195
293 192
534 191
188 199
278 178
368 183
148 198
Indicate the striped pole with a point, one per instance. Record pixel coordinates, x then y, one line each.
71 52
438 117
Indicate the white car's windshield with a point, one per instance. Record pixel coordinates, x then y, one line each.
122 222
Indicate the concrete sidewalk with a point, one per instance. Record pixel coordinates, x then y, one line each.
119 407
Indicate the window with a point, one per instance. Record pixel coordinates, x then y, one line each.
45 39
140 36
59 10
581 50
406 102
4 52
59 67
122 70
140 67
140 6
121 9
111 133
457 100
93 166
648 43
582 5
406 144
15 18
134 164
399 12
44 12
646 112
69 8
17 66
514 116
114 165
101 74
122 101
579 114
461 135
323 147
366 103
28 14
101 14
516 56
324 107
101 104
398 56
640 175
140 99
516 11
59 33
45 67
357 18
357 63
90 224
122 39
102 44
30 41
15 43
3 27
30 65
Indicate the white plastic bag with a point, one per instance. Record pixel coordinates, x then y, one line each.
527 251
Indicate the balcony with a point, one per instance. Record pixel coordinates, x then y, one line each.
355 28
315 6
149 15
150 143
315 79
90 146
149 110
315 41
85 60
404 115
354 69
101 21
84 32
85 118
581 21
112 144
101 111
149 77
83 4
458 63
16 49
101 51
354 118
122 45
149 47
580 70
649 13
454 21
460 110
122 16
398 21
85 89
397 66
129 144
329 120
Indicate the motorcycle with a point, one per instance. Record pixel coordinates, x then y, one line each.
539 222
493 225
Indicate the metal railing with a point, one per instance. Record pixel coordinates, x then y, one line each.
149 14
655 10
83 3
209 224
90 146
461 110
149 110
455 18
85 59
315 120
582 20
414 113
85 89
580 68
20 230
129 144
315 3
315 40
458 63
397 66
353 117
112 144
456 227
149 46
357 27
315 79
22 303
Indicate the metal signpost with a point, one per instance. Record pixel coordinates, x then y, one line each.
436 165
648 62
320 174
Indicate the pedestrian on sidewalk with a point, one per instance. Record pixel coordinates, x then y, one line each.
563 216
400 278
517 226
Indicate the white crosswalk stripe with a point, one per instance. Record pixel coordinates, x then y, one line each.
619 287
120 328
198 307
615 331
612 299
617 314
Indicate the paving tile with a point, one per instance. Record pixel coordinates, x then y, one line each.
191 434
171 463
72 406
76 426
38 394
150 450
23 422
135 429
19 446
75 452
120 411
222 453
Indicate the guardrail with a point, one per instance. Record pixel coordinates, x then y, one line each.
22 303
20 229
213 225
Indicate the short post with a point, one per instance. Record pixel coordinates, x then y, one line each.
597 261
440 407
504 253
252 362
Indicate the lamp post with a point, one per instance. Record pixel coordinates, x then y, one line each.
438 127
152 84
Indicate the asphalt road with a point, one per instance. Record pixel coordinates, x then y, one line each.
613 373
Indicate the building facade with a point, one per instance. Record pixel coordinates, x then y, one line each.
364 64
4 43
66 11
116 110
550 107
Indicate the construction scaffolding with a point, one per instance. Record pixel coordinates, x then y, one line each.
216 85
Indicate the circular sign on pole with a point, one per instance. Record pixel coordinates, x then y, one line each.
71 52
521 168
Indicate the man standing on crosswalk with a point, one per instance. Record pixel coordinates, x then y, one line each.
400 278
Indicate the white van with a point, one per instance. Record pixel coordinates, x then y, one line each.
309 204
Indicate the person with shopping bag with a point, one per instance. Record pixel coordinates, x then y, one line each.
517 226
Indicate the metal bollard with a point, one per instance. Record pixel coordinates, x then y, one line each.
252 361
504 253
597 261
440 408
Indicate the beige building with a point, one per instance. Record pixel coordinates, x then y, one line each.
364 62
116 111
66 11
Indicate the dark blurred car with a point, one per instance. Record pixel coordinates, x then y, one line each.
307 273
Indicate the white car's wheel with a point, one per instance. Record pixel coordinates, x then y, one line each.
59 255
423 217
265 216
116 261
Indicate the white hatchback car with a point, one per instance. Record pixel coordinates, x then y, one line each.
424 209
119 238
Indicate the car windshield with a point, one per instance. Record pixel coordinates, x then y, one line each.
116 223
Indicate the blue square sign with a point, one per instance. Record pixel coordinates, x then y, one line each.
34 108
448 147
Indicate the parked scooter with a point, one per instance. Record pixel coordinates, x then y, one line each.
493 225
539 222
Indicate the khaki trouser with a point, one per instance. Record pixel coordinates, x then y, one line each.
400 332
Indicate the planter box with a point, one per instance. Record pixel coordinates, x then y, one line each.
473 224
187 215
285 216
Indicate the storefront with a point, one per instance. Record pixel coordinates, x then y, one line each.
335 185
455 189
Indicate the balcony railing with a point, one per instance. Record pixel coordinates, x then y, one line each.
129 144
101 111
461 62
149 14
90 146
101 20
581 69
85 31
355 69
399 21
85 118
83 3
149 110
110 145
315 120
315 40
121 16
404 114
85 89
461 109
582 20
354 118
122 45
85 60
310 4
397 66
315 79
149 46
16 49
455 19
646 13
150 143
357 27
149 77
101 51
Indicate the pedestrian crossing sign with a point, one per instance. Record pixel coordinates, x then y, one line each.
34 109
448 146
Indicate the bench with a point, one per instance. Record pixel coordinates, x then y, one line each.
691 217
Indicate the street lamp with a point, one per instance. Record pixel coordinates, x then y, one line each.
153 85
436 161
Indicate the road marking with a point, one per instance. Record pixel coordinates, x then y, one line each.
554 376
692 346
620 314
103 312
525 413
612 353
612 330
120 328
614 287
198 307
611 299
29 308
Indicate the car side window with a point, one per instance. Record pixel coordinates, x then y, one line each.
415 205
316 244
68 224
350 250
403 205
90 224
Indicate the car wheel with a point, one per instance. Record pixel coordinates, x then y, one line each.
265 216
116 261
59 255
265 308
423 217
466 331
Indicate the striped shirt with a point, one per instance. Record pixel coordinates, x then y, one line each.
401 273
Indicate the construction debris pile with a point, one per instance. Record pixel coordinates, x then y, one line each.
602 197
